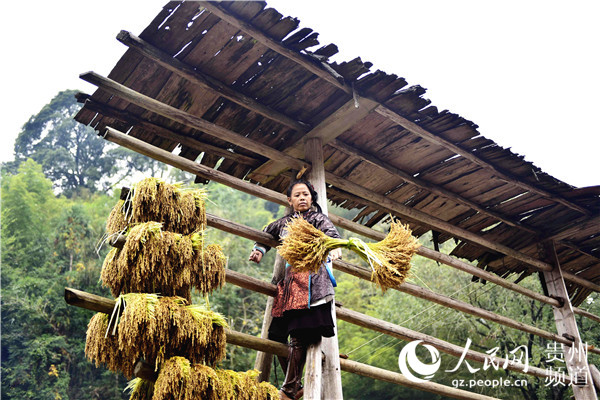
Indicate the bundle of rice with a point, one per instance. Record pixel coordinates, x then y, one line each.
171 328
156 328
103 349
306 248
180 379
180 210
157 261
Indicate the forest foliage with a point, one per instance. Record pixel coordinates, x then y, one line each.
54 210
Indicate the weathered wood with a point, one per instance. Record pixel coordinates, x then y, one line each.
328 129
383 110
566 325
425 134
89 301
399 379
220 12
205 81
187 119
595 376
322 379
247 187
338 144
369 196
368 322
145 371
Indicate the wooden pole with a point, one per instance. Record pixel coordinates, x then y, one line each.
331 379
566 325
106 306
184 164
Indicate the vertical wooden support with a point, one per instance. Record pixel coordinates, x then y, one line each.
263 360
566 325
322 379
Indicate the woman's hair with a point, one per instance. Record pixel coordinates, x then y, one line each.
313 193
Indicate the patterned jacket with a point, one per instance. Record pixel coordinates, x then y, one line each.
298 290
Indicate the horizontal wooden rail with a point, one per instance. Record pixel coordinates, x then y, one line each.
382 201
84 300
100 304
209 173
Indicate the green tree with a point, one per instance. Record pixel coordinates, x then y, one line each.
42 337
71 154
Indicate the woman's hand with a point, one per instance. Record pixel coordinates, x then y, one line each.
256 256
335 254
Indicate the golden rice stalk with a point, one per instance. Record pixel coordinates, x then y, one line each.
180 210
306 248
173 380
140 389
152 261
157 328
209 273
117 220
266 391
181 379
103 349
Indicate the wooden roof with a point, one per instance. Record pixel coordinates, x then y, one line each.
246 68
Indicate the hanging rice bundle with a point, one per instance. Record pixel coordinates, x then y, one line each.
180 379
156 261
180 210
157 328
306 248
209 273
140 389
117 219
103 349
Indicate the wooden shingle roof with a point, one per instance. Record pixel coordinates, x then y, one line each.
246 68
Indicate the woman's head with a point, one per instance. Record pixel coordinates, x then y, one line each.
302 195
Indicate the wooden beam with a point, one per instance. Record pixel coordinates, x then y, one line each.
324 374
327 130
218 176
184 140
188 120
358 319
566 325
309 65
411 289
205 81
381 201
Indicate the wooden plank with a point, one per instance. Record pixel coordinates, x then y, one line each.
415 128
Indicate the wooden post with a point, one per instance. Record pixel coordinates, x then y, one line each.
325 382
263 360
566 326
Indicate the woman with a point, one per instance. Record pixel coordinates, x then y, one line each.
303 305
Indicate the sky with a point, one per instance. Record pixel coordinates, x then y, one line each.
526 72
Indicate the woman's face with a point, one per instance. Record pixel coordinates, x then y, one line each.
300 199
